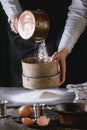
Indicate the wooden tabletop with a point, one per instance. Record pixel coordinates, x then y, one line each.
13 122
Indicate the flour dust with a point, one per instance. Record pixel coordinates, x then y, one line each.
42 52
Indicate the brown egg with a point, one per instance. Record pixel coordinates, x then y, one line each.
43 121
27 121
25 110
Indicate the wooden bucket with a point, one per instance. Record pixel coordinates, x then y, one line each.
40 75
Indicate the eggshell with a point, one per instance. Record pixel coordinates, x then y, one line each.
43 121
27 121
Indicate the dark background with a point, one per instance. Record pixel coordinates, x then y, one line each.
4 50
76 61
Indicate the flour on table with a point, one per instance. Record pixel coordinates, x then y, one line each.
47 95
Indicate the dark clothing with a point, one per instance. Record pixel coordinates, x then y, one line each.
77 62
20 48
4 50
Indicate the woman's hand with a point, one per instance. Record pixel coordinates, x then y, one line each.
61 56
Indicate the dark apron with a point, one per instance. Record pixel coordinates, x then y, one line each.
4 50
19 48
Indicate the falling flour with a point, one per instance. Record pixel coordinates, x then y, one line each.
42 52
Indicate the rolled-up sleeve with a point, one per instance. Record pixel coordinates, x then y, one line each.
11 7
75 24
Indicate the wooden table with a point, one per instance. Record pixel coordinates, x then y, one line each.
12 122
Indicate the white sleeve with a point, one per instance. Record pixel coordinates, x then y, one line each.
75 24
11 7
